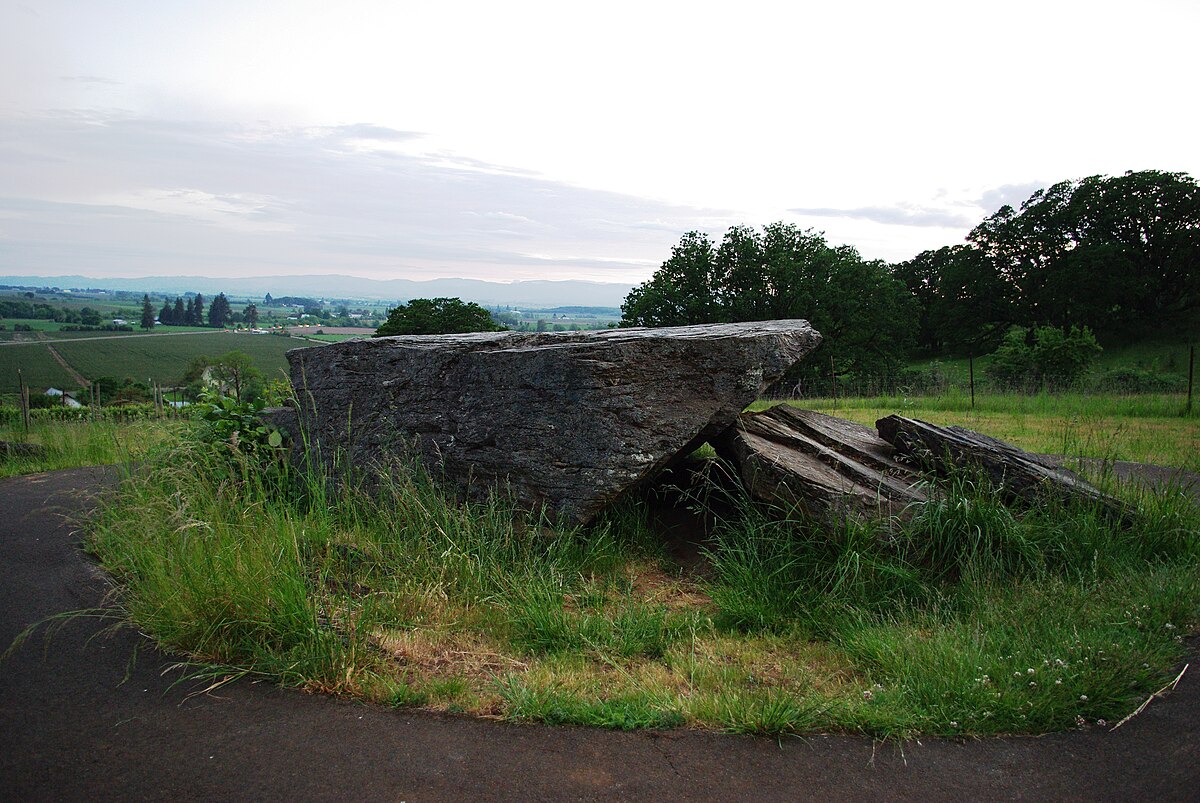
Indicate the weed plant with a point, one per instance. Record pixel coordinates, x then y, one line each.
966 618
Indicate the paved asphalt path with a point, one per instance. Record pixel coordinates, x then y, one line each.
79 719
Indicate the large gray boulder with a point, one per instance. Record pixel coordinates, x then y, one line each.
568 420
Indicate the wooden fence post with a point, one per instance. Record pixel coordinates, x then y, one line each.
971 369
1191 376
24 391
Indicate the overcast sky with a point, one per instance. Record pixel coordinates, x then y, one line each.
556 140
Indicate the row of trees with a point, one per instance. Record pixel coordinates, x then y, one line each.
16 308
192 313
1115 256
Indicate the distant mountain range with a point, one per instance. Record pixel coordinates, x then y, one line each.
538 294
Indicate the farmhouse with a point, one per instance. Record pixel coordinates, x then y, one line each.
66 398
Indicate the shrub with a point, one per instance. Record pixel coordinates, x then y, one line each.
236 423
1047 356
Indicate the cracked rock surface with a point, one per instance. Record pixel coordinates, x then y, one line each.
568 420
830 467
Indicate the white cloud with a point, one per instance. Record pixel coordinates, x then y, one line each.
237 211
233 200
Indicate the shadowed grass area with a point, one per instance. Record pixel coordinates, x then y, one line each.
969 618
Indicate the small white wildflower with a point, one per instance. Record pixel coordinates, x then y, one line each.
1083 697
1058 682
1032 683
1016 674
1169 626
1029 671
953 724
1101 722
867 695
1080 721
1059 662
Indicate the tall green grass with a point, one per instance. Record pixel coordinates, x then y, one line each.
1051 405
274 572
1145 428
970 617
71 444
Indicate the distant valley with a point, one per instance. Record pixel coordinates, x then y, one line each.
537 294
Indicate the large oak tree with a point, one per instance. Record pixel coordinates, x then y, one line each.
863 311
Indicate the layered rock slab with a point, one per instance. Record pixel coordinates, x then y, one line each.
1020 474
568 421
831 468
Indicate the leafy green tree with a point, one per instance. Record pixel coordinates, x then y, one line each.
685 290
436 316
1047 356
147 313
965 304
235 375
179 315
195 378
251 315
1112 253
864 312
197 311
219 312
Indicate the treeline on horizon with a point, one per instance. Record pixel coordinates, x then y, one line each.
1114 257
192 313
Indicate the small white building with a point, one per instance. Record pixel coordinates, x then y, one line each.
64 398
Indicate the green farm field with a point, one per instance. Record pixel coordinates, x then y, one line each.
162 358
39 368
